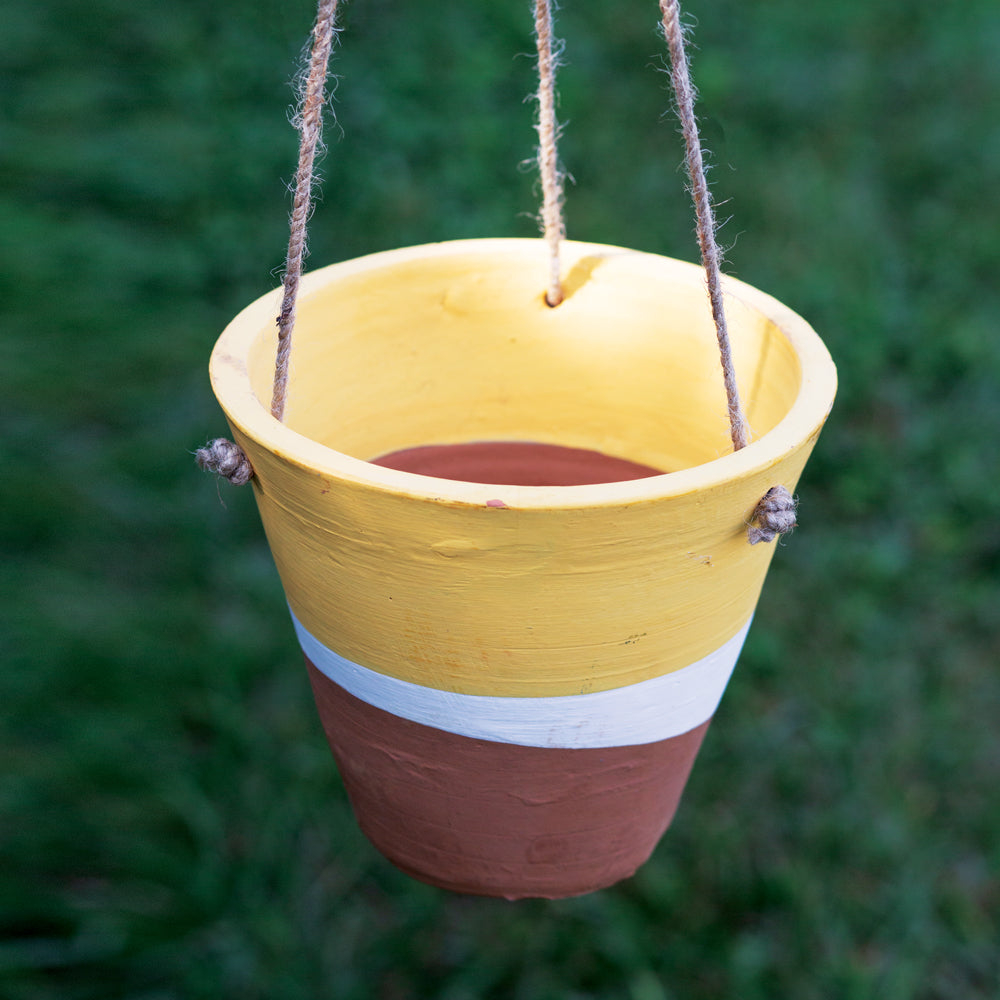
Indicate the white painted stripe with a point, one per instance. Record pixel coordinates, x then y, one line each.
646 712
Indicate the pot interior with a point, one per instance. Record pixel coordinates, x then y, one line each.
458 348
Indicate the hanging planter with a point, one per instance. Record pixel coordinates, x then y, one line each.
513 538
515 679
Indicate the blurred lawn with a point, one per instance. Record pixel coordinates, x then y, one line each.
171 824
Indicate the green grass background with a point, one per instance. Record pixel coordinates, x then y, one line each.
171 823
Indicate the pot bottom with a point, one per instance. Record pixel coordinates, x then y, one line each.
498 819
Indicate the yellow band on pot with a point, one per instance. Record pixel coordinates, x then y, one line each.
520 591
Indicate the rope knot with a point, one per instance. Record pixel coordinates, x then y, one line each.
773 516
227 460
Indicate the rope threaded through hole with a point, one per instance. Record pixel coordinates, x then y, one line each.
309 120
553 224
684 94
774 515
225 459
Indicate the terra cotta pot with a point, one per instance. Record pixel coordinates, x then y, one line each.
515 660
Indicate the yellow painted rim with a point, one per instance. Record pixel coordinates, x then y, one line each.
247 412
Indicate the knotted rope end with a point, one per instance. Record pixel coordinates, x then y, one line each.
225 459
774 515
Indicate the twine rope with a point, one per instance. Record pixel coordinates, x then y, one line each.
227 460
684 93
774 514
309 121
548 160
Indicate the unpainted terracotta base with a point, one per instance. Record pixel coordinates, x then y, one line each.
516 463
495 819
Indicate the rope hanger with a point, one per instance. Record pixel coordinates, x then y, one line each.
775 513
309 121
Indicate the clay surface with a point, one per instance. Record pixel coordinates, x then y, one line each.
497 819
515 463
